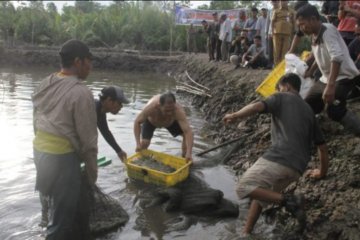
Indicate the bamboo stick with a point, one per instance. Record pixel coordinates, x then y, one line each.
195 88
187 74
198 92
222 144
189 90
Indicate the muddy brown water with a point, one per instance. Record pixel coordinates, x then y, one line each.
19 204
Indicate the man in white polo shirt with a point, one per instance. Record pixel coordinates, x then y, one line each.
339 72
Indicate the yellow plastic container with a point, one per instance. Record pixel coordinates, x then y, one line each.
149 175
267 87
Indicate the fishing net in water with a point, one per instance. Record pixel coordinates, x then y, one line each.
194 197
105 212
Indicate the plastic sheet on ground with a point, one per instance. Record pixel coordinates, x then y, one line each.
293 64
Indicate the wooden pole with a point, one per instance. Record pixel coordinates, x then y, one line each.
222 145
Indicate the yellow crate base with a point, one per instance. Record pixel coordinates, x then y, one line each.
152 176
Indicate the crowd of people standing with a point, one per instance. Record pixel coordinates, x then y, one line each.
234 41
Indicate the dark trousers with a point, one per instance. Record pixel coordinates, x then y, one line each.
218 49
59 177
337 110
259 62
225 46
270 51
348 37
211 48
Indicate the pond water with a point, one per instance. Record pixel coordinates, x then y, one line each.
19 203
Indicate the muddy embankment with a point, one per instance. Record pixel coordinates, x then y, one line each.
112 59
332 204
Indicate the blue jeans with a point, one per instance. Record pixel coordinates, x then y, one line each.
59 177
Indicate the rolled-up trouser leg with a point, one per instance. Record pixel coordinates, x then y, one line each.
44 200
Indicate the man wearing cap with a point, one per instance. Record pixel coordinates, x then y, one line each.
111 101
65 136
163 111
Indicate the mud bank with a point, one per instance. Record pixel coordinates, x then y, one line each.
103 59
332 204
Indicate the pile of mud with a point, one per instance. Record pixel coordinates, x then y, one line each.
333 204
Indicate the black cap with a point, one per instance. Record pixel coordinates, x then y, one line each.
75 48
115 93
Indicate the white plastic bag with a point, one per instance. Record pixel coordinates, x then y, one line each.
294 64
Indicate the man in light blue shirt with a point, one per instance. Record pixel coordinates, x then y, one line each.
250 24
225 36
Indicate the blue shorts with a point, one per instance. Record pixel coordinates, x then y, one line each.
147 129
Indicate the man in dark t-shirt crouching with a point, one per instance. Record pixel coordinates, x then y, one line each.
294 129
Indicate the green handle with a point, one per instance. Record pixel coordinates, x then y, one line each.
101 162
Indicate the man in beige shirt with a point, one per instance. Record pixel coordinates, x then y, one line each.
283 27
163 111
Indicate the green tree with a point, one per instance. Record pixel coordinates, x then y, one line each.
36 19
222 5
87 6
7 18
51 8
146 25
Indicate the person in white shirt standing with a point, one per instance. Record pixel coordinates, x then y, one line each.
339 72
225 36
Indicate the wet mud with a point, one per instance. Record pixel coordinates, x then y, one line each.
332 204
